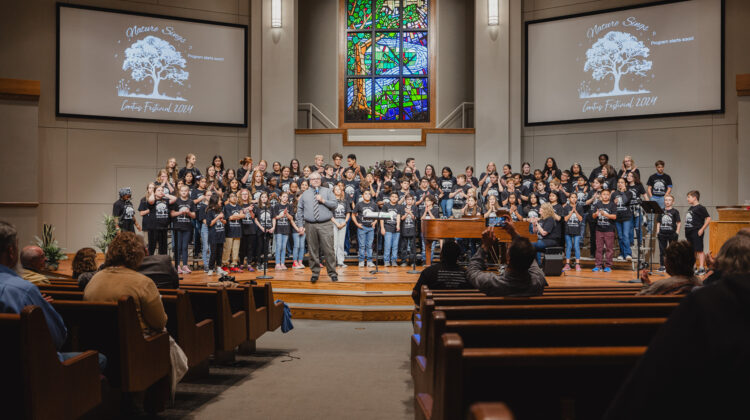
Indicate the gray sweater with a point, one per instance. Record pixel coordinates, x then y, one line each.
509 283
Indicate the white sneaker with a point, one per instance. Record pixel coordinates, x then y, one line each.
370 264
361 263
629 258
221 272
619 258
210 272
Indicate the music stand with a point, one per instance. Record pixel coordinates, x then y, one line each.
377 215
653 208
265 275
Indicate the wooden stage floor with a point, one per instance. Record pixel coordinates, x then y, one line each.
360 295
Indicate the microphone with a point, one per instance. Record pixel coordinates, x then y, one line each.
317 190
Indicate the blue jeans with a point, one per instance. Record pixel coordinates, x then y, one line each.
539 246
573 241
279 241
183 240
625 236
658 199
197 245
298 253
446 206
391 246
365 235
205 246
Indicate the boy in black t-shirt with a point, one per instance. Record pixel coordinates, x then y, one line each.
366 226
696 223
124 213
605 213
659 184
667 228
409 214
391 229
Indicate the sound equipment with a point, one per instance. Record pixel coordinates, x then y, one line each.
554 258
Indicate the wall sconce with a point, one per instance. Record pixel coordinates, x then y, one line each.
493 12
276 13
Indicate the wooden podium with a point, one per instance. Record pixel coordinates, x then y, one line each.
731 220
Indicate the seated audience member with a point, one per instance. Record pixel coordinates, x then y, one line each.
159 268
84 266
714 274
702 350
522 276
32 260
16 293
679 260
119 278
446 274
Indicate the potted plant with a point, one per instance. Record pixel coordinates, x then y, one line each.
53 254
110 231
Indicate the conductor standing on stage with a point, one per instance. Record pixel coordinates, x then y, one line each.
316 205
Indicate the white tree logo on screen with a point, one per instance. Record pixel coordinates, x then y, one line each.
155 59
616 54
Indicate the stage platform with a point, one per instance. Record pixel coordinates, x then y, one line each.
386 296
362 296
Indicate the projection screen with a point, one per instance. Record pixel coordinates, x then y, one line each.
122 65
656 60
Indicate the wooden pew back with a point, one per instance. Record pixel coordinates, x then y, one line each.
36 385
135 362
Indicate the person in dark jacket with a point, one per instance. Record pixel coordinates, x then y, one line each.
698 364
446 274
522 276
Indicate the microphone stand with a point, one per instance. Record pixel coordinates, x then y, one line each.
377 244
413 258
265 276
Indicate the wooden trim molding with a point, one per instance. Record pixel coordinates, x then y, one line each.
20 89
743 85
344 132
432 77
7 204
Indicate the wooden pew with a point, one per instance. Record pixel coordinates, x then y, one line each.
532 333
533 382
134 363
195 338
591 310
256 319
489 411
429 305
230 327
36 385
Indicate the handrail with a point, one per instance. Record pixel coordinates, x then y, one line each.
319 115
459 110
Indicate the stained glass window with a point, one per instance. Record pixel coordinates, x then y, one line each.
387 61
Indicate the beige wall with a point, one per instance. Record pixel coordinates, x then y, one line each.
701 152
81 163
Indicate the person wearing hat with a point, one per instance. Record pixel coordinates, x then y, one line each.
124 213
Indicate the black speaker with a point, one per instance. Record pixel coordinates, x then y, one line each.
553 263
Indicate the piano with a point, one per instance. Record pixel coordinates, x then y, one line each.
436 229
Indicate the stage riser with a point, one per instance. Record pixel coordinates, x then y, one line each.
350 315
331 299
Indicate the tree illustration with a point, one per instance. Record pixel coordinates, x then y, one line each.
155 58
617 54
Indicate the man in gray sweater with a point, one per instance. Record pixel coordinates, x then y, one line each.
522 276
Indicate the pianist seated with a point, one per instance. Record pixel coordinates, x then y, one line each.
521 277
